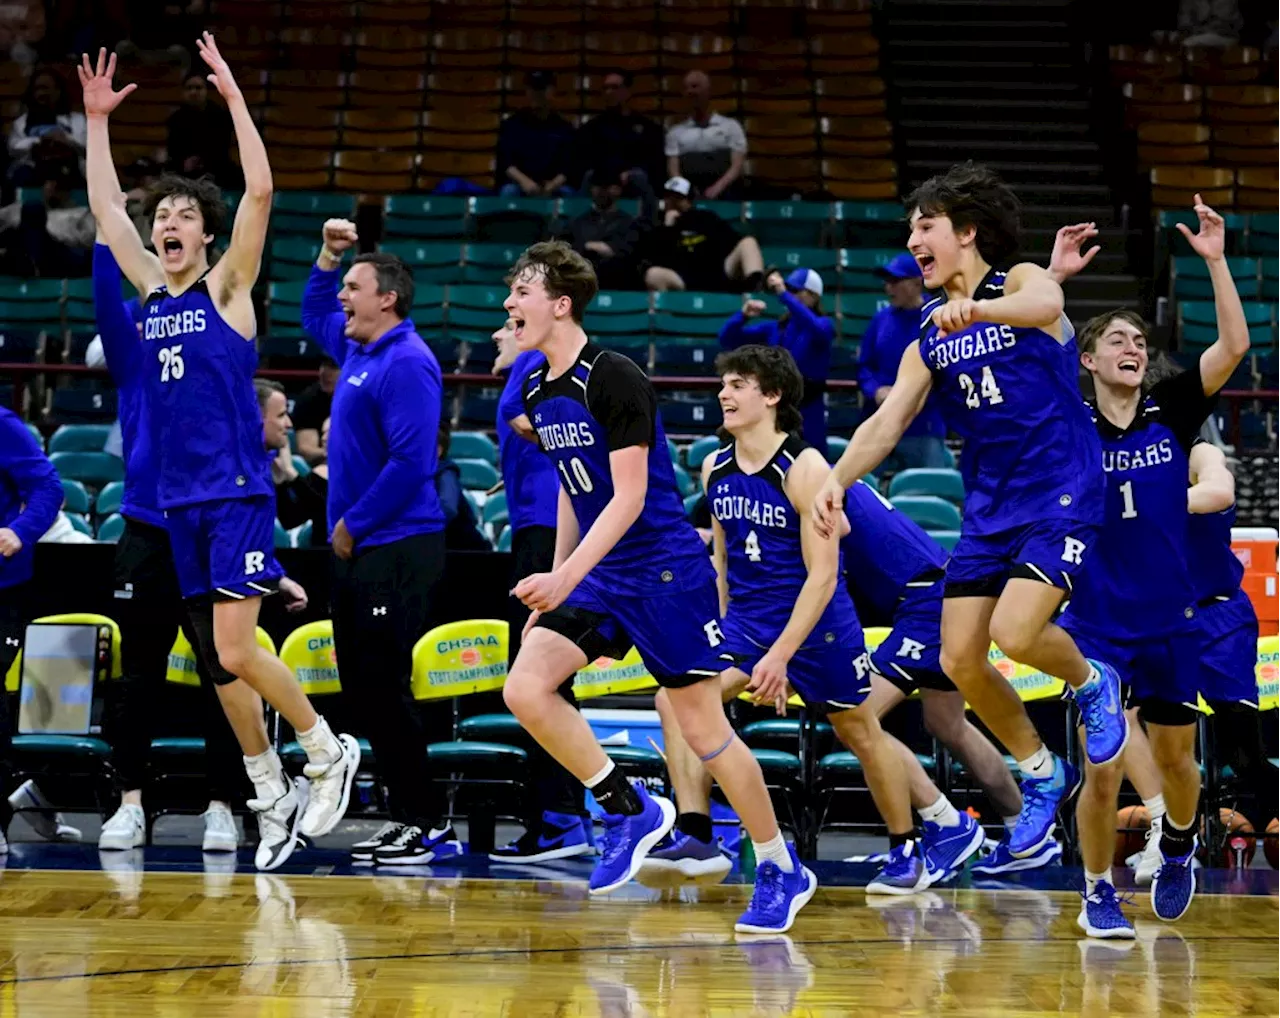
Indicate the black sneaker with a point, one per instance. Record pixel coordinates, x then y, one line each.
362 852
413 846
559 836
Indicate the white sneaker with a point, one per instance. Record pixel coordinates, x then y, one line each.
330 789
278 822
37 811
220 834
126 830
1146 862
4 844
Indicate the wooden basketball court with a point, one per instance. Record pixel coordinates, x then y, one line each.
183 944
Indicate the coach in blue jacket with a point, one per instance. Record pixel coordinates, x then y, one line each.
387 524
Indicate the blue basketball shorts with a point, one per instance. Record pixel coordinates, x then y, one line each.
676 633
1052 551
909 656
1230 650
1160 675
225 549
834 674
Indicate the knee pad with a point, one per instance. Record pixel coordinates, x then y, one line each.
200 618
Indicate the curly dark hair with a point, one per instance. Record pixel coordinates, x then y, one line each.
775 371
969 194
565 273
203 193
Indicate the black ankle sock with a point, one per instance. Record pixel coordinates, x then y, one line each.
696 825
901 839
1175 841
615 795
754 282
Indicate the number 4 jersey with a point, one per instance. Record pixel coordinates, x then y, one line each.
602 404
198 383
1031 452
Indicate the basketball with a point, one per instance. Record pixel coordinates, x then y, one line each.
1269 843
1239 842
1132 824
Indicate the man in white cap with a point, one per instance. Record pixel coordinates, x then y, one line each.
694 249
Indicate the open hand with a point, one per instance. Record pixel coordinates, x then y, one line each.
99 97
1210 242
221 78
1067 260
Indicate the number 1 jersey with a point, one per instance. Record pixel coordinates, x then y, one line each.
206 425
1031 452
600 405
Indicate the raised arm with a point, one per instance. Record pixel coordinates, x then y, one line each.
1219 361
238 268
818 330
120 343
140 266
875 437
322 316
719 551
1069 257
1213 488
746 326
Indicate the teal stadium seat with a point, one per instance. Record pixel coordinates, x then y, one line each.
425 217
487 263
684 482
495 512
693 314
1191 278
79 438
928 481
824 261
1198 324
302 535
858 267
292 257
504 540
20 345
929 511
700 450
685 357
282 538
78 311
1270 290
857 310
111 528
836 447
75 496
473 445
871 224
946 538
477 474
785 223
431 261
80 523
1261 238
522 221
618 302
93 468
691 503
304 212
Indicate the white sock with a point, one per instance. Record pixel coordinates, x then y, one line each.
1038 765
1094 676
1010 822
599 776
1155 806
321 745
1091 879
267 774
776 852
941 813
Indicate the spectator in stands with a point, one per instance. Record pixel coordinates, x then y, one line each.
887 337
555 824
621 146
153 27
708 149
299 498
1210 22
694 249
311 409
535 145
49 235
63 531
199 136
462 529
607 236
47 131
804 331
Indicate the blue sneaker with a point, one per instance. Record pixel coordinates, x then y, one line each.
560 836
778 897
686 856
1000 860
412 846
1041 800
946 849
1106 729
904 873
627 840
1100 914
1174 885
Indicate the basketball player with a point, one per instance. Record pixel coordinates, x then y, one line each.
213 479
30 499
768 562
629 569
1136 604
558 825
997 351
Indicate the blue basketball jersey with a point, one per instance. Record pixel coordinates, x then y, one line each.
1138 581
1215 570
203 411
885 550
1031 452
602 404
765 561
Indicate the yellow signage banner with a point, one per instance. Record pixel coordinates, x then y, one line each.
460 658
309 653
182 658
604 675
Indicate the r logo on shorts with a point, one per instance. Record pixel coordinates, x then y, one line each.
1073 550
253 562
910 648
714 636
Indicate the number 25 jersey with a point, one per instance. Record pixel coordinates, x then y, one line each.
1031 451
600 405
198 378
